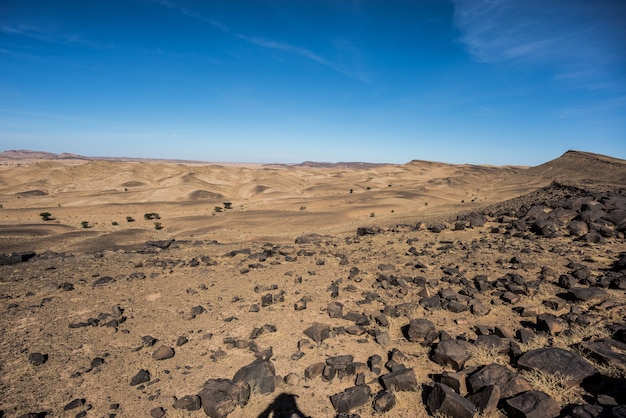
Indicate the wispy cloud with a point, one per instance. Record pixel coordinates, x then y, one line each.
266 43
303 52
579 41
46 33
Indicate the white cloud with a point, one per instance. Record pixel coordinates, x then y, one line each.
267 43
577 40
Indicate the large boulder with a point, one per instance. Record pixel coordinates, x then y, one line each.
509 382
400 380
532 404
608 351
443 400
554 360
351 398
260 375
452 353
421 331
220 397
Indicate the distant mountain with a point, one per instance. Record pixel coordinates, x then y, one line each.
36 155
355 164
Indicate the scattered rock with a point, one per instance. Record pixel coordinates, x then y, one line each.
163 352
509 382
318 332
486 399
455 380
259 375
532 404
452 353
142 376
157 412
442 399
37 359
188 402
607 351
351 398
401 380
220 397
384 401
76 403
421 331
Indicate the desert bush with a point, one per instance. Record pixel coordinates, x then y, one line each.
485 354
228 205
85 224
372 215
302 207
351 191
217 209
130 219
151 215
46 216
578 333
114 223
539 341
554 384
158 226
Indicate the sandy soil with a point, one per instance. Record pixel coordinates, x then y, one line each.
271 205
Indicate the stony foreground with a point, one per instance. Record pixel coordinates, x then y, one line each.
518 310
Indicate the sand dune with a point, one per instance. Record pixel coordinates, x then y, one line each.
266 200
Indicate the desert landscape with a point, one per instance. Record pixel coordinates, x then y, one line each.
158 288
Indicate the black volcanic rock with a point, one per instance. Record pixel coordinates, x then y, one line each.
444 400
188 402
318 332
259 375
401 380
37 359
452 353
142 376
384 401
553 360
422 331
532 404
509 382
220 397
351 398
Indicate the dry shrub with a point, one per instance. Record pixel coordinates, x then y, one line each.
610 370
554 385
578 333
407 404
540 341
484 354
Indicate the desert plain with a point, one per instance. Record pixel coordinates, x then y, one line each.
130 287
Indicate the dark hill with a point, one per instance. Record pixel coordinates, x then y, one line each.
583 168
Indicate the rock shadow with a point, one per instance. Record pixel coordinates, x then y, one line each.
284 406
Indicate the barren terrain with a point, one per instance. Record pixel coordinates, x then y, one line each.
292 266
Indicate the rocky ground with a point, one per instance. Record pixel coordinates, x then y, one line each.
516 310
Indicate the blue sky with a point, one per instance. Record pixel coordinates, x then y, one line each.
461 81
